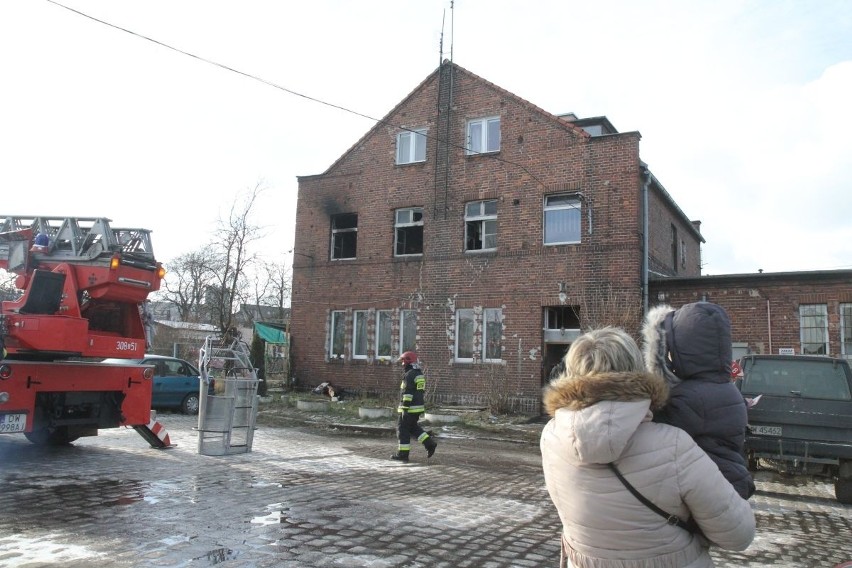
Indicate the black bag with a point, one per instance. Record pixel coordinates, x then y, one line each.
689 525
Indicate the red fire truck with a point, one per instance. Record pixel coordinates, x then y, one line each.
84 286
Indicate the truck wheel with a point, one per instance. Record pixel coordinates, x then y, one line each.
843 490
58 436
190 404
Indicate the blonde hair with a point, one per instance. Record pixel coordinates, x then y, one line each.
608 349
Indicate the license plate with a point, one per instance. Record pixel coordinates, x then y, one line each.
766 430
12 423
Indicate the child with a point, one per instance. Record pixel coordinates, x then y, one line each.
691 348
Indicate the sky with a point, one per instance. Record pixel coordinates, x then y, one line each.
743 106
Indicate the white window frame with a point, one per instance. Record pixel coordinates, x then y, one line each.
468 313
563 202
483 135
384 321
808 312
491 314
335 316
411 146
846 330
482 218
404 223
411 344
359 334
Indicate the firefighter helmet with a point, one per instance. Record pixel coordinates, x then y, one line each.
409 357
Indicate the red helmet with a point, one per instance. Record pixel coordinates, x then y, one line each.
409 357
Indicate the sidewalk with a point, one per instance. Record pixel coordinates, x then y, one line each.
475 425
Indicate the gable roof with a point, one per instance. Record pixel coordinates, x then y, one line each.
385 121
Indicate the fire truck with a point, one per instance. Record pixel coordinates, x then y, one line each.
84 286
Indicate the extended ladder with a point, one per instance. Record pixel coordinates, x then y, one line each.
74 238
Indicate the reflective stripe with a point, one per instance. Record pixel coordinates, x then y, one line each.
407 397
405 447
423 436
417 409
420 383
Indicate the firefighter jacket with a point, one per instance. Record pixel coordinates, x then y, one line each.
412 391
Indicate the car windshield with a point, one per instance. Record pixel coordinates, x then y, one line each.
806 378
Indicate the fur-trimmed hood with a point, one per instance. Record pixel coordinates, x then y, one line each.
654 346
576 393
691 342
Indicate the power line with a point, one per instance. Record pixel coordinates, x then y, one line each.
292 92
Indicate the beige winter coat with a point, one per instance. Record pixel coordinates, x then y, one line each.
607 418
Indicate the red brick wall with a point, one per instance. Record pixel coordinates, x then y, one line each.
764 308
539 155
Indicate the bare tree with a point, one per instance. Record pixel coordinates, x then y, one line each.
234 258
8 290
188 278
278 292
603 304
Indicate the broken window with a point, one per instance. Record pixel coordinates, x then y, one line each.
481 225
409 231
344 235
562 317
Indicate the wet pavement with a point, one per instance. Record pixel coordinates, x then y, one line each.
308 496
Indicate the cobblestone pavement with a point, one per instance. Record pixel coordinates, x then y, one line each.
306 497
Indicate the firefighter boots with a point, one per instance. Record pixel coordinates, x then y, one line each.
401 455
430 444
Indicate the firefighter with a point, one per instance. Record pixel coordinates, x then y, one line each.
412 390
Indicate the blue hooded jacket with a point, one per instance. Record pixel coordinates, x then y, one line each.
691 348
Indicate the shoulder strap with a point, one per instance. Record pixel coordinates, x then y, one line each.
670 519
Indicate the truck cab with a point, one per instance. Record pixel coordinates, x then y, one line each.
800 416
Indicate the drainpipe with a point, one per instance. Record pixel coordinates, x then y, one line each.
769 325
645 240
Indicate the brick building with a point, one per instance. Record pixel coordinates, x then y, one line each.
482 232
784 312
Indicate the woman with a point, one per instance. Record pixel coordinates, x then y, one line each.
602 407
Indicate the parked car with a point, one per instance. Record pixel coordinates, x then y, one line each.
176 382
800 416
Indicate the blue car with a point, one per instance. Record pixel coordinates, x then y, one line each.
176 382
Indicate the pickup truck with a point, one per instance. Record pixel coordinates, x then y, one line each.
800 416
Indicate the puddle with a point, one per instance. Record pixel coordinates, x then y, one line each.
218 556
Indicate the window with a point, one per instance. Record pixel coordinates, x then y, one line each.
409 231
846 330
480 225
562 215
483 135
674 248
336 335
359 334
493 334
813 325
384 323
683 253
344 235
407 331
464 335
411 146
